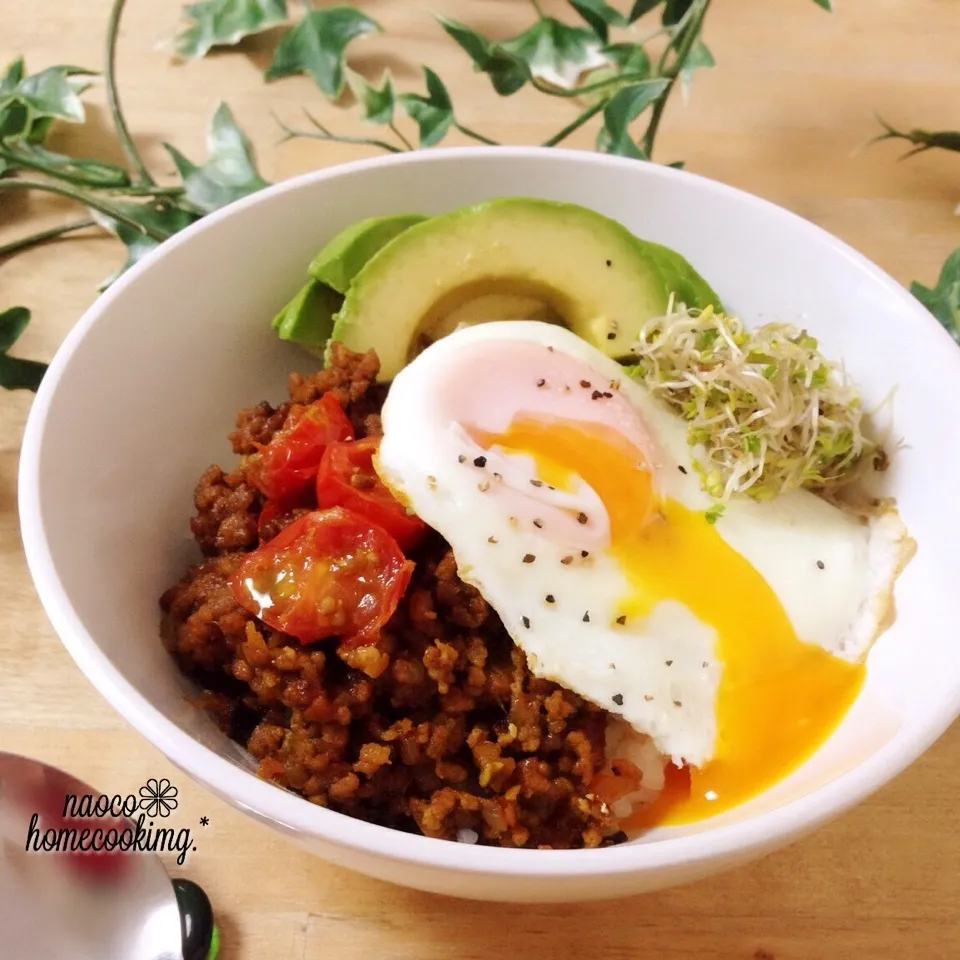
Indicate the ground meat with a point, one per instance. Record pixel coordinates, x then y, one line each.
227 509
440 727
256 426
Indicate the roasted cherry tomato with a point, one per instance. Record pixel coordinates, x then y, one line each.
347 479
330 573
288 464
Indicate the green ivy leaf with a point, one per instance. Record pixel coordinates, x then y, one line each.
674 11
698 58
826 4
943 301
642 7
624 58
230 170
599 16
433 113
627 57
317 46
621 110
86 172
556 53
17 374
377 103
28 104
506 72
217 23
163 216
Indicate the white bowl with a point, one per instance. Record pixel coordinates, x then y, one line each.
139 398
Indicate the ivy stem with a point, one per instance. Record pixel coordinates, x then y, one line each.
473 135
87 200
620 78
407 144
35 239
141 173
324 134
587 114
691 32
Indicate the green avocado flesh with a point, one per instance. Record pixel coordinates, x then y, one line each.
512 259
348 252
308 318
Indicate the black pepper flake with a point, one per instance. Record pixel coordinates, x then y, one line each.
528 558
820 564
549 349
525 621
596 395
611 335
586 616
538 523
584 554
618 699
682 469
609 263
566 561
480 462
606 394
461 459
669 663
585 384
622 620
491 539
536 483
550 598
541 382
705 664
582 517
677 703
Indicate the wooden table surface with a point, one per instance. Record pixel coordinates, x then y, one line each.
792 97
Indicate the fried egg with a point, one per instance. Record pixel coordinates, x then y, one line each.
569 498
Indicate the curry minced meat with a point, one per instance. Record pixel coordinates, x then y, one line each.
437 726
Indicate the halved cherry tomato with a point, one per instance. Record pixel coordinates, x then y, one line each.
288 464
330 573
347 479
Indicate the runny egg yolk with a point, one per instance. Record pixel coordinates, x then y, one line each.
779 697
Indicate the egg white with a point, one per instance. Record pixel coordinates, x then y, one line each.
659 673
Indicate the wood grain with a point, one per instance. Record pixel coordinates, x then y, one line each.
792 98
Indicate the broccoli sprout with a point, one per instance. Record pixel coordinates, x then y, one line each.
769 412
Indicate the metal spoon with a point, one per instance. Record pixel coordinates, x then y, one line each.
66 904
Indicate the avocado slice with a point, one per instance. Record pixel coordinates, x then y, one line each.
308 318
578 267
687 286
348 252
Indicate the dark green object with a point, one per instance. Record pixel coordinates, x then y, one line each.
201 939
17 374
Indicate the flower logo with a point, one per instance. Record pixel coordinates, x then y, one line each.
158 798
